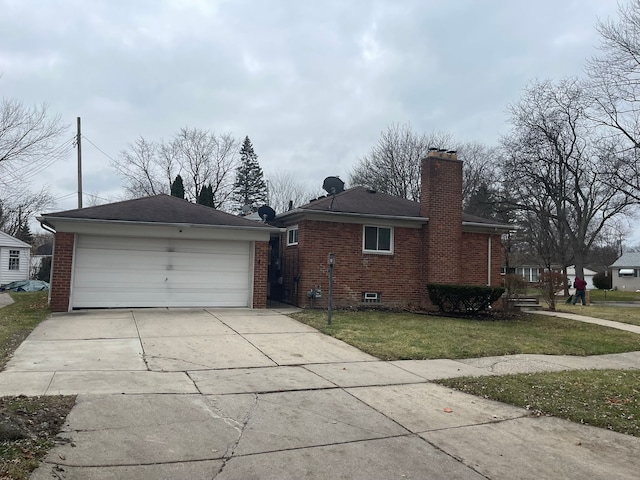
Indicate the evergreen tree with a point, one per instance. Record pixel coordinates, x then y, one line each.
205 197
250 187
24 234
177 188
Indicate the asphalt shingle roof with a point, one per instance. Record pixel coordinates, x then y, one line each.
363 201
161 209
629 259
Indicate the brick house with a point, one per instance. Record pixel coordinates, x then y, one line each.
387 249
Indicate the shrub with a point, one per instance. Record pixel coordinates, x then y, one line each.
469 299
44 271
602 281
550 283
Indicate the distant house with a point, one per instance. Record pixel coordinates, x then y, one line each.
39 254
532 274
625 272
14 259
588 276
387 249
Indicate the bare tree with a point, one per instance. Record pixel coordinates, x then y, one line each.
283 187
479 178
393 165
553 159
19 206
29 143
201 157
615 92
28 135
141 167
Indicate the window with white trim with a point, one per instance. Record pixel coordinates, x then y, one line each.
628 272
377 239
292 236
14 259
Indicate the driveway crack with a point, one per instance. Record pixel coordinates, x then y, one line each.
144 354
228 455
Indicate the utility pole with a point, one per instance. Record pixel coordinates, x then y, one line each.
78 141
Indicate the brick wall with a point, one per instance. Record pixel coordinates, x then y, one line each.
260 267
475 247
441 202
397 277
61 271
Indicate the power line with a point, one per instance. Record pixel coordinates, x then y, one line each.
99 149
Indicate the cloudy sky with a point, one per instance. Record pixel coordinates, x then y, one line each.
313 83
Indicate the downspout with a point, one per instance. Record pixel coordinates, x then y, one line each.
489 262
49 228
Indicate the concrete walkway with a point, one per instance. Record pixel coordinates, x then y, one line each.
240 394
5 299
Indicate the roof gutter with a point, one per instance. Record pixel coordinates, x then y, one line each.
495 226
45 225
351 214
44 220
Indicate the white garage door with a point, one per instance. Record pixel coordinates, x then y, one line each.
155 272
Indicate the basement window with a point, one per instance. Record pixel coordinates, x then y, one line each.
377 239
14 259
371 297
292 235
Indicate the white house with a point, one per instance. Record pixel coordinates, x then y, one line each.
14 259
588 276
625 272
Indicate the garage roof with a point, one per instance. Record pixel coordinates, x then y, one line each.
159 209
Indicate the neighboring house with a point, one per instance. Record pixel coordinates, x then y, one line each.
625 272
387 249
39 254
588 276
158 251
14 259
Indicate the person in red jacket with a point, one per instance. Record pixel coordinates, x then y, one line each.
580 285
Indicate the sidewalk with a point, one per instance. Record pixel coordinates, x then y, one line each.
5 299
583 318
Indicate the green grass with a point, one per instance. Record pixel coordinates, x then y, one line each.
398 336
18 319
616 314
613 296
603 398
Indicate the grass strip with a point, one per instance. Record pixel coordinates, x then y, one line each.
602 398
403 336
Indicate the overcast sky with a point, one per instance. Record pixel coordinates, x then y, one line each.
313 83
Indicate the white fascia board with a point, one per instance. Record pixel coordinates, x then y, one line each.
153 229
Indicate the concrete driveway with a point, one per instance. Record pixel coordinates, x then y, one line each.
242 394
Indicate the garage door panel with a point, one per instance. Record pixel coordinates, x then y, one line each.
128 272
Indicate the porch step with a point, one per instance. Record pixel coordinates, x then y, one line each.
527 303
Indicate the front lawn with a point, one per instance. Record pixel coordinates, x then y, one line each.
598 295
602 310
602 398
400 336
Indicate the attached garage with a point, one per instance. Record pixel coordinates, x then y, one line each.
156 252
160 272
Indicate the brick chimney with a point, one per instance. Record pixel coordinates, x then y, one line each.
441 202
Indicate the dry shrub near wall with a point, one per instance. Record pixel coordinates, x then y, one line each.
550 283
